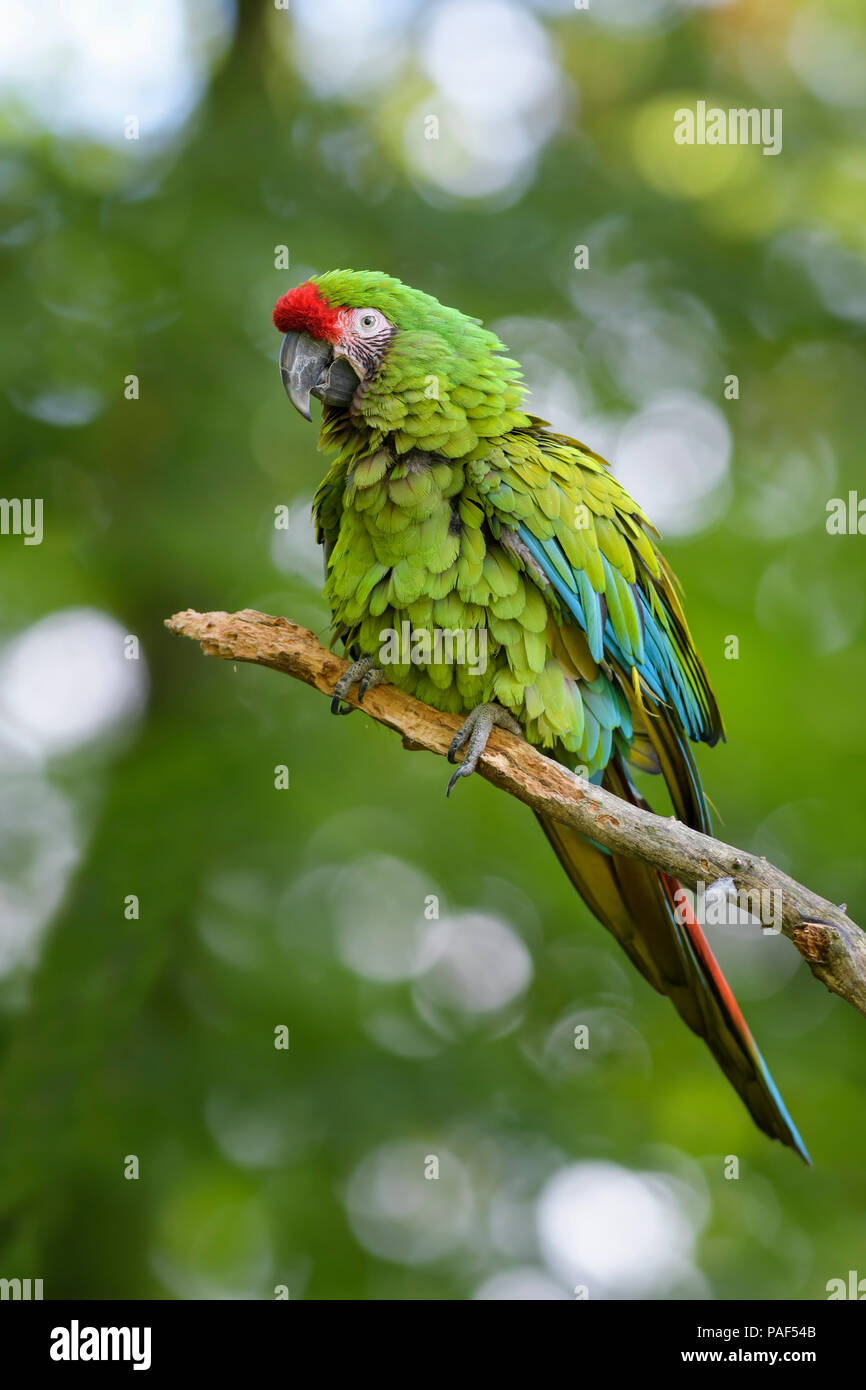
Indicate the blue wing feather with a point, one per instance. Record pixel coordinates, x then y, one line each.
656 657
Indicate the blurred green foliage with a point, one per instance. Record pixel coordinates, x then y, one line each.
155 1037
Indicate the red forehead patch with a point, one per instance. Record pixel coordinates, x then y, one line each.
305 310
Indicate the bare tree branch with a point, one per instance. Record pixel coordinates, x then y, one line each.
833 946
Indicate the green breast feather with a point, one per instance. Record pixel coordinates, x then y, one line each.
443 544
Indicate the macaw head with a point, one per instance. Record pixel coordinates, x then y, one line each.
393 361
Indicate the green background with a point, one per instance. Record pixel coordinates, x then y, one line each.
305 907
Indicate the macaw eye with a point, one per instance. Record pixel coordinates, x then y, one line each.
370 321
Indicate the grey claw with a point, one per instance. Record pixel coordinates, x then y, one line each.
366 672
456 744
475 732
463 771
373 677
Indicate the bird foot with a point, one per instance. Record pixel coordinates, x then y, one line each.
474 733
366 673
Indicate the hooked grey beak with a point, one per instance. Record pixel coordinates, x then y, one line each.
308 368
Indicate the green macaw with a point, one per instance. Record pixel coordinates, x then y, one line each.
447 509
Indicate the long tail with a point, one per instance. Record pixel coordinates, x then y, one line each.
653 922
